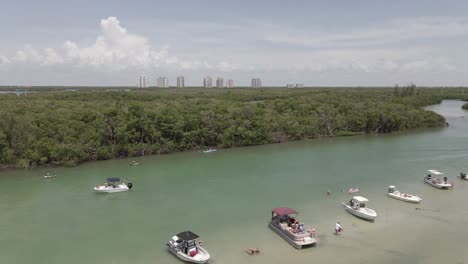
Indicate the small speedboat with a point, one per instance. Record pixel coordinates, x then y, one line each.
433 178
284 223
463 176
134 163
48 176
353 190
186 247
209 150
357 207
402 196
114 185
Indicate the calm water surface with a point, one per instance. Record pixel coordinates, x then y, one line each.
226 197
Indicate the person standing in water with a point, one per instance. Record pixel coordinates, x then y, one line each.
338 228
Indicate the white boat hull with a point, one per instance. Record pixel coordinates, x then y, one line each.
438 184
111 189
365 213
408 198
298 244
202 257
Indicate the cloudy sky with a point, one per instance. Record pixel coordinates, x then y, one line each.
352 43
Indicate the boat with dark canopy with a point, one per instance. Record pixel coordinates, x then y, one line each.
284 223
114 185
187 247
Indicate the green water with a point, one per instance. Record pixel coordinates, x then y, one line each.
226 197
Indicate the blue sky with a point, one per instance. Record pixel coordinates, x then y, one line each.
351 43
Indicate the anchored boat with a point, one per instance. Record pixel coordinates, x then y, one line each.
185 246
434 178
285 224
402 196
357 207
114 185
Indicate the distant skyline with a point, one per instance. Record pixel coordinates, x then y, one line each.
317 43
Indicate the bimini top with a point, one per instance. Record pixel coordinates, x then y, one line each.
435 172
113 179
283 211
187 235
360 199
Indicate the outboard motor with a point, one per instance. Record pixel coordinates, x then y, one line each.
129 185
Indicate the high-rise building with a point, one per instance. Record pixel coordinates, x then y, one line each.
180 82
207 82
289 85
256 83
299 85
230 83
142 83
219 82
163 82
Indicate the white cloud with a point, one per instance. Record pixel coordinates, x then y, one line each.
4 60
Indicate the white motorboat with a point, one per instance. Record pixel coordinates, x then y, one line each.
134 163
357 207
353 190
284 223
463 176
434 178
114 185
48 176
185 246
402 196
210 150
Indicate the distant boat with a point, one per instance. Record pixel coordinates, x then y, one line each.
353 190
113 185
134 163
357 207
210 150
48 176
462 176
434 178
185 246
403 196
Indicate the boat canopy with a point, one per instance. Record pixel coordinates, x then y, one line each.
360 199
283 211
435 172
113 179
391 186
187 235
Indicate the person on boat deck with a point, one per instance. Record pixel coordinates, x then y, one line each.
428 176
351 203
445 179
462 175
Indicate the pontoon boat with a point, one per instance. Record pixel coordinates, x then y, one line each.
113 185
357 207
434 178
284 223
185 246
402 196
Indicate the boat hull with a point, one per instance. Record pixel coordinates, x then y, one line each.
438 185
364 213
109 189
298 244
409 199
202 257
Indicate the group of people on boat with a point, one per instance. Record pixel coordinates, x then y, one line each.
353 204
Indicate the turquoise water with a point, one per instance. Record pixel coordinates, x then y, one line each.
226 197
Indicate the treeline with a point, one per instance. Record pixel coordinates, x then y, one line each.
67 128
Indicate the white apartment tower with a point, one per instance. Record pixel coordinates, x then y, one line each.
163 82
256 83
142 83
230 84
207 82
180 82
219 82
